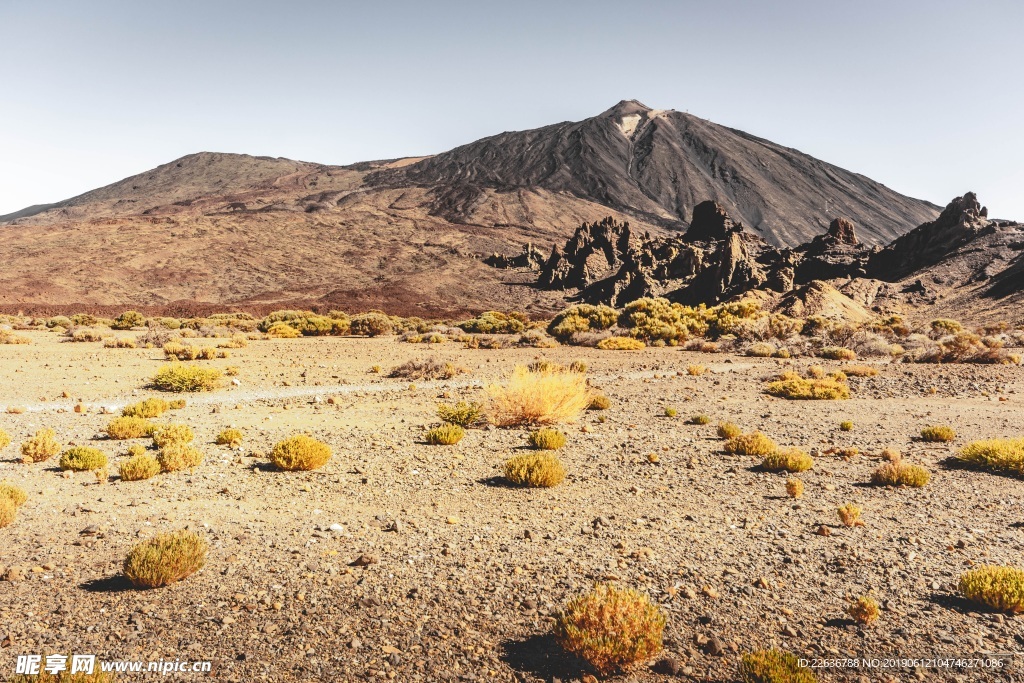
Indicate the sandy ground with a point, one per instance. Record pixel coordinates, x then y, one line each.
469 571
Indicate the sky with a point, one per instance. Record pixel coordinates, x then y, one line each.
925 96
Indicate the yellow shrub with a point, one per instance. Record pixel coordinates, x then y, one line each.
599 402
794 487
138 467
695 370
547 439
12 493
773 666
83 459
700 420
179 456
445 435
999 455
865 611
281 330
760 350
151 407
788 460
8 512
1001 588
610 628
538 398
462 413
809 389
300 452
849 515
728 430
230 437
846 426
938 434
669 411
901 473
837 353
129 428
5 439
165 559
177 377
620 344
173 433
176 404
755 443
860 370
40 447
535 470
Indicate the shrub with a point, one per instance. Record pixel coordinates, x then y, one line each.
848 452
8 512
773 666
129 428
535 470
151 407
657 319
1001 588
40 447
849 515
837 353
85 335
860 370
865 611
176 404
782 353
128 320
755 443
610 628
371 324
760 350
700 420
138 467
809 389
538 398
190 378
7 337
581 319
83 459
281 330
300 452
165 559
846 426
794 487
901 473
230 437
547 439
943 326
177 456
620 344
12 493
815 372
429 369
998 455
938 434
173 433
545 365
578 366
599 402
669 411
788 460
462 413
5 439
119 343
494 322
237 341
728 430
444 435
695 370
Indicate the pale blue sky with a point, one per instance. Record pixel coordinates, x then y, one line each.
925 96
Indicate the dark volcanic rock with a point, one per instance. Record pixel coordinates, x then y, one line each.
710 223
531 257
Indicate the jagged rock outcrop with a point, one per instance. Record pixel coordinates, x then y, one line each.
530 258
710 223
836 254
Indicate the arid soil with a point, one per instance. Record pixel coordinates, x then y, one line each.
466 572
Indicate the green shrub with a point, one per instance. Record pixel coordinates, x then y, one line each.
151 407
445 435
865 611
462 413
901 473
651 319
128 320
8 512
138 467
669 411
40 447
495 322
580 319
846 426
83 459
773 666
860 370
300 452
190 378
230 437
165 559
1001 588
938 434
535 470
547 439
998 455
760 350
788 460
129 428
610 628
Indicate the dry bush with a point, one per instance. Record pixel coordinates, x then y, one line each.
997 455
372 324
620 344
237 341
849 515
891 455
547 439
669 411
462 413
151 407
544 365
816 372
83 334
1001 588
728 430
129 428
429 369
938 434
8 512
696 370
281 330
12 493
581 319
760 350
119 343
848 452
901 473
176 403
177 351
230 437
755 443
773 666
865 611
173 433
809 389
189 378
535 470
860 370
444 435
8 337
300 452
794 487
782 352
83 459
40 447
700 420
599 402
177 456
837 353
788 460
578 366
610 628
165 559
496 322
5 439
538 398
128 320
138 467
846 426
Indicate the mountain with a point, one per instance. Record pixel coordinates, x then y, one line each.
414 235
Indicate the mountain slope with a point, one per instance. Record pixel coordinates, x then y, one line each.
658 165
